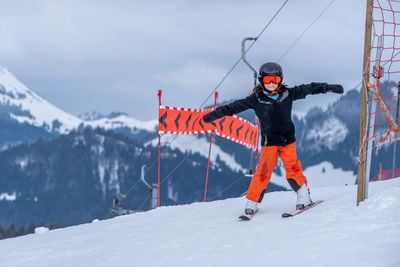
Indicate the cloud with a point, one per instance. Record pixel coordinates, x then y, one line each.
113 55
194 76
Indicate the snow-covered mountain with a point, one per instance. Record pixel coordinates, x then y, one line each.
27 106
122 120
327 142
81 173
335 233
21 105
91 115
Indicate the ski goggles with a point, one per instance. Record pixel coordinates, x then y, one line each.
271 79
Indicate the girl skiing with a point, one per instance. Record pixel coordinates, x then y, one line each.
272 102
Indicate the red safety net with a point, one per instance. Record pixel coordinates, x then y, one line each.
386 175
190 121
383 77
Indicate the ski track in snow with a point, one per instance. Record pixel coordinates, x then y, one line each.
335 233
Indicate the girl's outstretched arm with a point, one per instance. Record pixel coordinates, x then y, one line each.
230 109
301 91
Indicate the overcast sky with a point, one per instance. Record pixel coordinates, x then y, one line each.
114 55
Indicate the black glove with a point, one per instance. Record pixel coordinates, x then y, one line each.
209 117
335 88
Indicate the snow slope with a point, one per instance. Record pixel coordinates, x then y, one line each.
335 233
320 175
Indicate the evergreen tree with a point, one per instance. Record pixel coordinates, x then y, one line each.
31 229
21 231
10 231
53 226
2 233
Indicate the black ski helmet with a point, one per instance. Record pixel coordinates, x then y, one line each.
269 68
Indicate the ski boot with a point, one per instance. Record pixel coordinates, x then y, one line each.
303 197
251 207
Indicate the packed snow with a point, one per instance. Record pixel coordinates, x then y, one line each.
323 174
8 197
334 233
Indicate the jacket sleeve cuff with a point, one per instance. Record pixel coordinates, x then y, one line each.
319 88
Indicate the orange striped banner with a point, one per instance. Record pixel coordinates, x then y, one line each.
190 121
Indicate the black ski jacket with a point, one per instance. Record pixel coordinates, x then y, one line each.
275 116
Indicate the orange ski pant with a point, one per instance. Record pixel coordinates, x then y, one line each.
268 161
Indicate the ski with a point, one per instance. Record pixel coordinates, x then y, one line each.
246 217
286 214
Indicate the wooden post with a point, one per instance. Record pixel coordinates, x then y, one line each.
364 95
380 172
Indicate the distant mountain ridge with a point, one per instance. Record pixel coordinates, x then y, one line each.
81 164
74 178
91 116
21 108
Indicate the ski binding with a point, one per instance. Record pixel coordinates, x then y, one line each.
286 214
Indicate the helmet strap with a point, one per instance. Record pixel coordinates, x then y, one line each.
269 92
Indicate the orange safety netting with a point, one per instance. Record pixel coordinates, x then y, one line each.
383 76
190 121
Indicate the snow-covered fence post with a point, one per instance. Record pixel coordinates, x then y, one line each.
209 150
159 145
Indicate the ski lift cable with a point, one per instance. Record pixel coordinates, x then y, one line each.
383 65
216 87
240 58
144 201
232 184
133 186
237 62
227 74
233 67
305 31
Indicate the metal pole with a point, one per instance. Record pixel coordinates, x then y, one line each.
209 150
364 94
142 176
255 83
154 196
148 185
244 54
159 145
208 166
372 119
395 142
